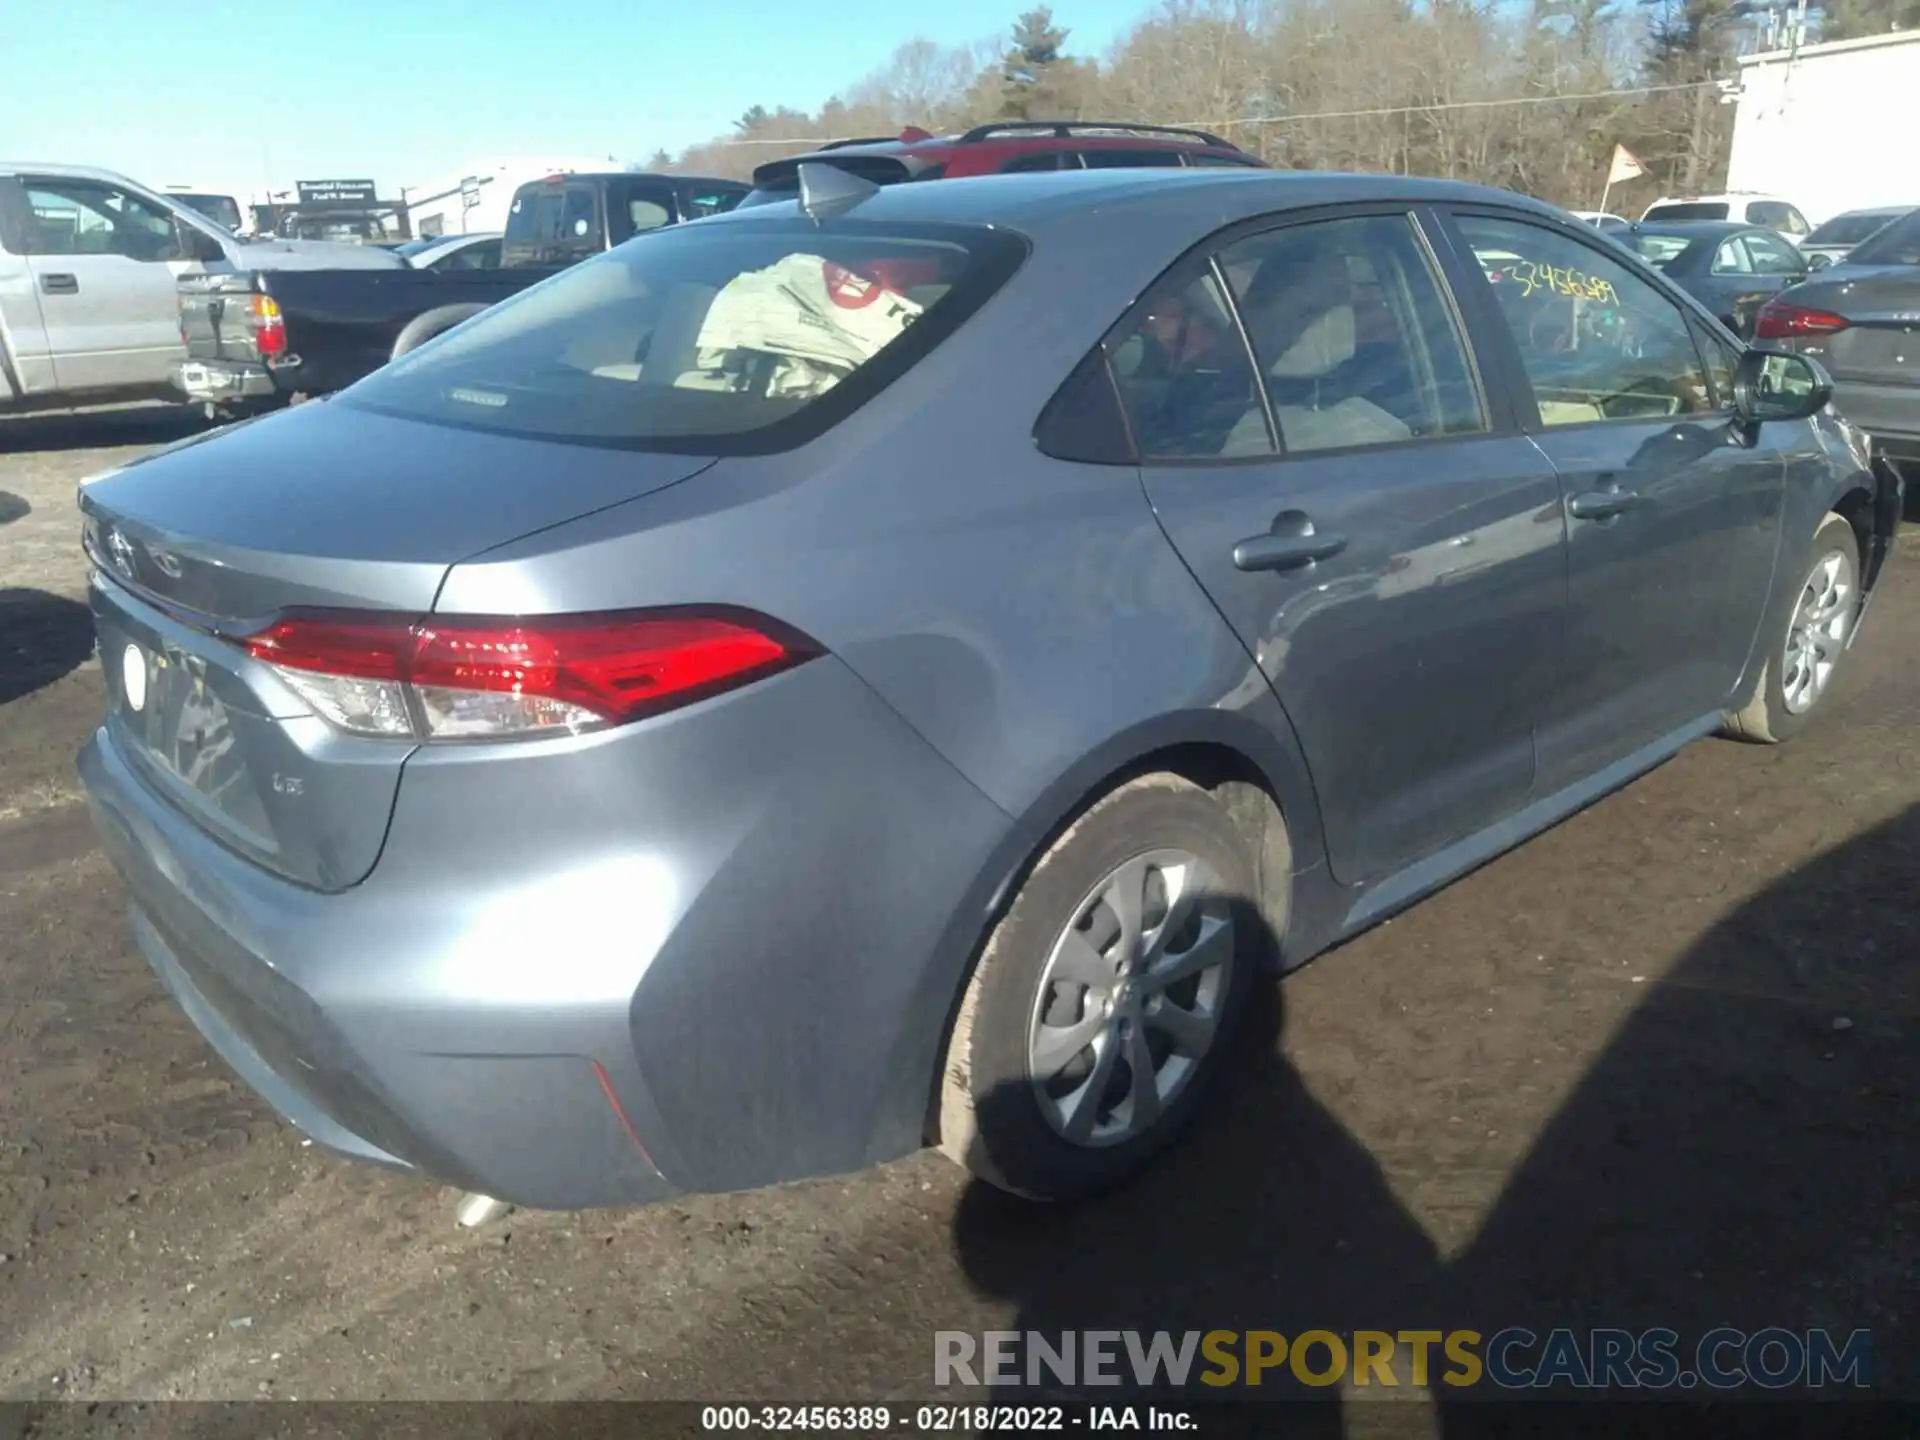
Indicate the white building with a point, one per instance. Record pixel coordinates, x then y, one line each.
475 199
1829 127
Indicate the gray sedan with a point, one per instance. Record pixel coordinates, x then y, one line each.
901 666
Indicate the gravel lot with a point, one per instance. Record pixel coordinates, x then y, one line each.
1659 1067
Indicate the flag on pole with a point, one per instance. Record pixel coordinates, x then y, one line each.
1625 166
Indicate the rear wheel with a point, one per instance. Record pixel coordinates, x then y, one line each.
1106 998
423 328
1802 662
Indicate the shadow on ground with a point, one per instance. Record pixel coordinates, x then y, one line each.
99 429
1745 1152
42 638
13 507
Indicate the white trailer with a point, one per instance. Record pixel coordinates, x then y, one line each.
475 200
1829 126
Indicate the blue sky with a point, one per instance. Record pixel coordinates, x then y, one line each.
232 93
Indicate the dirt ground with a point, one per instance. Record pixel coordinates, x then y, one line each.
1658 1067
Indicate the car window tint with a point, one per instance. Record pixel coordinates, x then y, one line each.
1721 359
696 340
483 255
1732 258
1201 157
1184 375
1354 338
1596 341
1773 256
83 217
1045 160
709 202
1116 159
1660 251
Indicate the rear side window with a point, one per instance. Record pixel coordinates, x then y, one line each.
1732 258
1108 158
1201 157
1849 229
1776 215
1773 256
1896 244
1185 378
552 225
1695 210
749 337
1354 336
1044 160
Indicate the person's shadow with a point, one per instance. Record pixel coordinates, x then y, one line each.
1745 1152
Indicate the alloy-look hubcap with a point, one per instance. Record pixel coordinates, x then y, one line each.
1817 634
1130 999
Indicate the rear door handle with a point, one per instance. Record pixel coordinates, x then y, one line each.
1289 544
60 284
1601 504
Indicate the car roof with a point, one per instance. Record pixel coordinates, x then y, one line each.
1889 210
1032 201
78 172
561 177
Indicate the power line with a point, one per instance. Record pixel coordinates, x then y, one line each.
1329 114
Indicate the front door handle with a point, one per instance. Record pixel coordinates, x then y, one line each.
1290 543
1601 504
60 284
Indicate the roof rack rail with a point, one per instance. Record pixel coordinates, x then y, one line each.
1064 129
857 140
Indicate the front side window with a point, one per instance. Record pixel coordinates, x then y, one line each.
84 217
703 340
1185 378
1353 334
1596 341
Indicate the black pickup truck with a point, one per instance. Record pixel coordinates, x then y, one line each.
263 336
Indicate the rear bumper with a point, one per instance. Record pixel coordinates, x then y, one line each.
214 381
603 974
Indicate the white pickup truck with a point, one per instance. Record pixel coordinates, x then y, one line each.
89 261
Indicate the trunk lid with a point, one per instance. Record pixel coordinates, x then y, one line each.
321 506
214 319
1881 344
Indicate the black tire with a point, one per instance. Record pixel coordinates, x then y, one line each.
423 328
991 1116
1765 718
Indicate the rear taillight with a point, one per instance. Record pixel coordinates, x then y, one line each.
269 325
1777 321
458 678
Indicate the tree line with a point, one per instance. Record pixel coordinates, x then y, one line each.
1531 95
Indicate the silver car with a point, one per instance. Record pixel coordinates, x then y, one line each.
900 665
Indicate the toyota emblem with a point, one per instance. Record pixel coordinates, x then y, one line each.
121 550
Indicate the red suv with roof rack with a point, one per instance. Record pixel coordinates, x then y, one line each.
1002 147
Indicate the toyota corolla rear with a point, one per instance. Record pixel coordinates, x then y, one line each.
466 875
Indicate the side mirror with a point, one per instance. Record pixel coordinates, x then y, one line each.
1779 385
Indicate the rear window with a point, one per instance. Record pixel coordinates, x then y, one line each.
1849 229
552 225
1897 244
749 336
1692 210
1660 250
